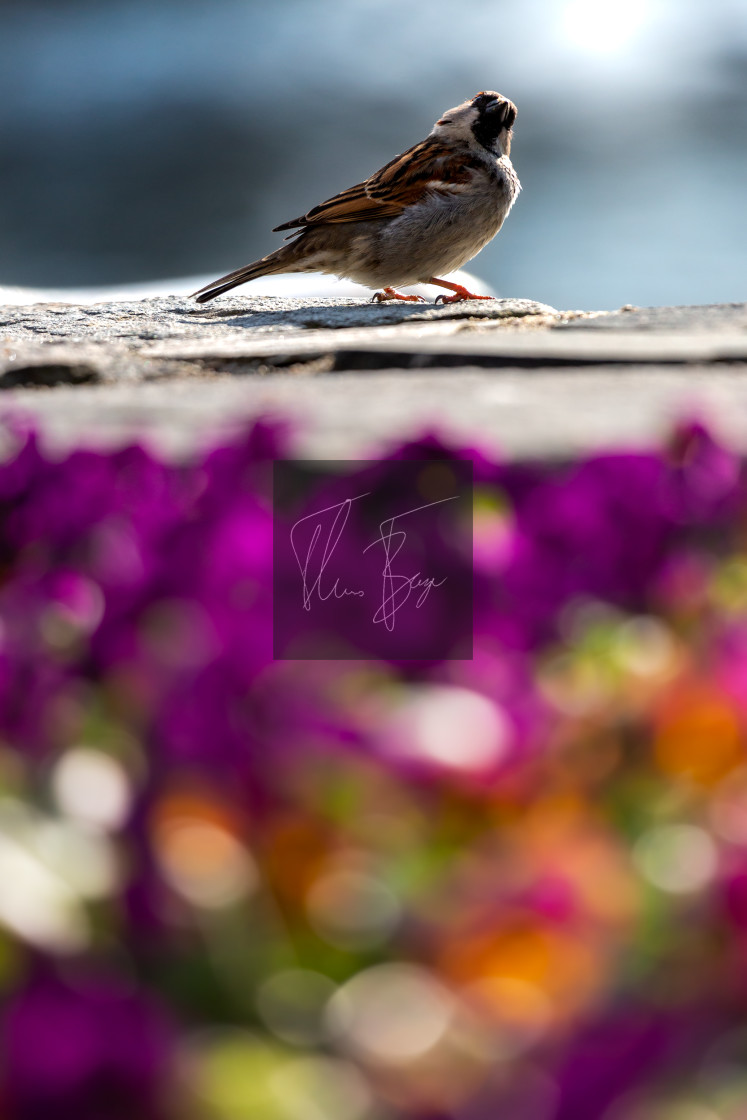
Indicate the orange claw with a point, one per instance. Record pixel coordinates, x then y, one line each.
460 293
389 293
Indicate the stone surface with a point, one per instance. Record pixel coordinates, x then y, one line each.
354 377
708 317
349 415
137 322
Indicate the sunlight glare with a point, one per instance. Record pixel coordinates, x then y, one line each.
603 26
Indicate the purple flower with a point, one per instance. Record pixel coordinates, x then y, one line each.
85 1049
612 1058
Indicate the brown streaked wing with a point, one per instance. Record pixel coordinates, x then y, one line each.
411 173
403 181
351 205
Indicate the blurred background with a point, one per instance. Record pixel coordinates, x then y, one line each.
145 139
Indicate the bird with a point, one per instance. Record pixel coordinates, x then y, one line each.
426 212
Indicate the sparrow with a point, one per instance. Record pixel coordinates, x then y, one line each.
428 211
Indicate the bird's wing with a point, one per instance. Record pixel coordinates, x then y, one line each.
429 165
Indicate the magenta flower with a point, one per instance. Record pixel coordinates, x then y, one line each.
84 1049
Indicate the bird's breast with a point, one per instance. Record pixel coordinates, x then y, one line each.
439 234
467 216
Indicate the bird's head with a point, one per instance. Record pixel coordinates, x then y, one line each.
486 119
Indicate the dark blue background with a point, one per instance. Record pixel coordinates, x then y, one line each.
157 138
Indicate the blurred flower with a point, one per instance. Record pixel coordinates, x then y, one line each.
200 852
92 787
446 728
698 733
391 1013
679 858
50 869
351 907
513 885
237 1076
292 1004
85 1048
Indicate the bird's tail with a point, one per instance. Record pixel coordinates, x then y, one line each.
279 261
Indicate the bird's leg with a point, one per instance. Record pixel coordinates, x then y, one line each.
460 293
389 293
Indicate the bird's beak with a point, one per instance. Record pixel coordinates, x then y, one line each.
502 111
509 114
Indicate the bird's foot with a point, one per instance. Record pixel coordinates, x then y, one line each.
389 293
459 297
460 292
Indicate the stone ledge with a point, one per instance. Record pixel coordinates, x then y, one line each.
353 376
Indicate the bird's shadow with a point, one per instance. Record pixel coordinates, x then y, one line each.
350 313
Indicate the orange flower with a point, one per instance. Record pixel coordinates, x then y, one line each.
698 734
